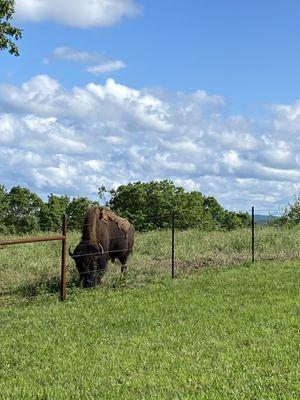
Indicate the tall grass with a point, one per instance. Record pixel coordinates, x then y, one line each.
30 269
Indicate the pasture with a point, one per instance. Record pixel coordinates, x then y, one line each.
34 269
224 329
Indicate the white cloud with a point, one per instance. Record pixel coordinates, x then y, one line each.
70 54
106 67
287 117
231 159
7 128
103 64
44 96
77 13
73 141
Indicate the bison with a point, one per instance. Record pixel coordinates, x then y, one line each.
105 236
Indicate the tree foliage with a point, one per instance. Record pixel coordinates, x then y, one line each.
8 33
4 208
291 215
52 212
148 206
22 211
76 211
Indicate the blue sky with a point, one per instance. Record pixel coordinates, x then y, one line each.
184 78
247 51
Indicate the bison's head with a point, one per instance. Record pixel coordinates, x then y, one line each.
86 257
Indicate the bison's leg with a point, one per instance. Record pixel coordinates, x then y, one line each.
124 269
123 260
102 266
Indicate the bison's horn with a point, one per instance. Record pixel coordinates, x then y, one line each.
101 247
70 253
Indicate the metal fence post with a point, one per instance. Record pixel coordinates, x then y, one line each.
63 279
252 225
173 243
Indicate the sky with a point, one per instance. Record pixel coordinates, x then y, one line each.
106 92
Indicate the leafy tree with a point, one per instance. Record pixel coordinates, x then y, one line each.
24 210
8 33
148 206
291 215
51 214
233 220
4 208
76 211
215 210
190 212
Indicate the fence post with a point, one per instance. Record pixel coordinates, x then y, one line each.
173 243
63 278
252 225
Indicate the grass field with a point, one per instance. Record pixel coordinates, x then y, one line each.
222 334
34 269
229 331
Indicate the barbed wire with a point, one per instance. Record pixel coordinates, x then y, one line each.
98 270
104 252
12 237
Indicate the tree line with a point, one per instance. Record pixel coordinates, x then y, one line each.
23 212
146 205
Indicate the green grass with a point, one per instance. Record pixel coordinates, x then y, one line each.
225 333
34 269
224 329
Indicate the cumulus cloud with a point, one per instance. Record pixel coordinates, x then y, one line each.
78 13
44 96
287 117
73 141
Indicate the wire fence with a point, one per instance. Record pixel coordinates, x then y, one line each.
34 268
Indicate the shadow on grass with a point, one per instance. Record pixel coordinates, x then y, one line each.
45 285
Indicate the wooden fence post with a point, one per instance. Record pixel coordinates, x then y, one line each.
63 279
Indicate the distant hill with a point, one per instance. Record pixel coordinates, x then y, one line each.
263 219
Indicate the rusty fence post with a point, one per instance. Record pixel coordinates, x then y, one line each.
173 243
63 278
253 233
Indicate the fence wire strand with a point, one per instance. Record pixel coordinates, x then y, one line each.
104 252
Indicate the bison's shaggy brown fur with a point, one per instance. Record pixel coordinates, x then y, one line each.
105 236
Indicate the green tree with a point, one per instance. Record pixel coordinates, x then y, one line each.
216 211
291 215
8 33
4 208
51 214
76 211
189 210
233 220
148 206
24 210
